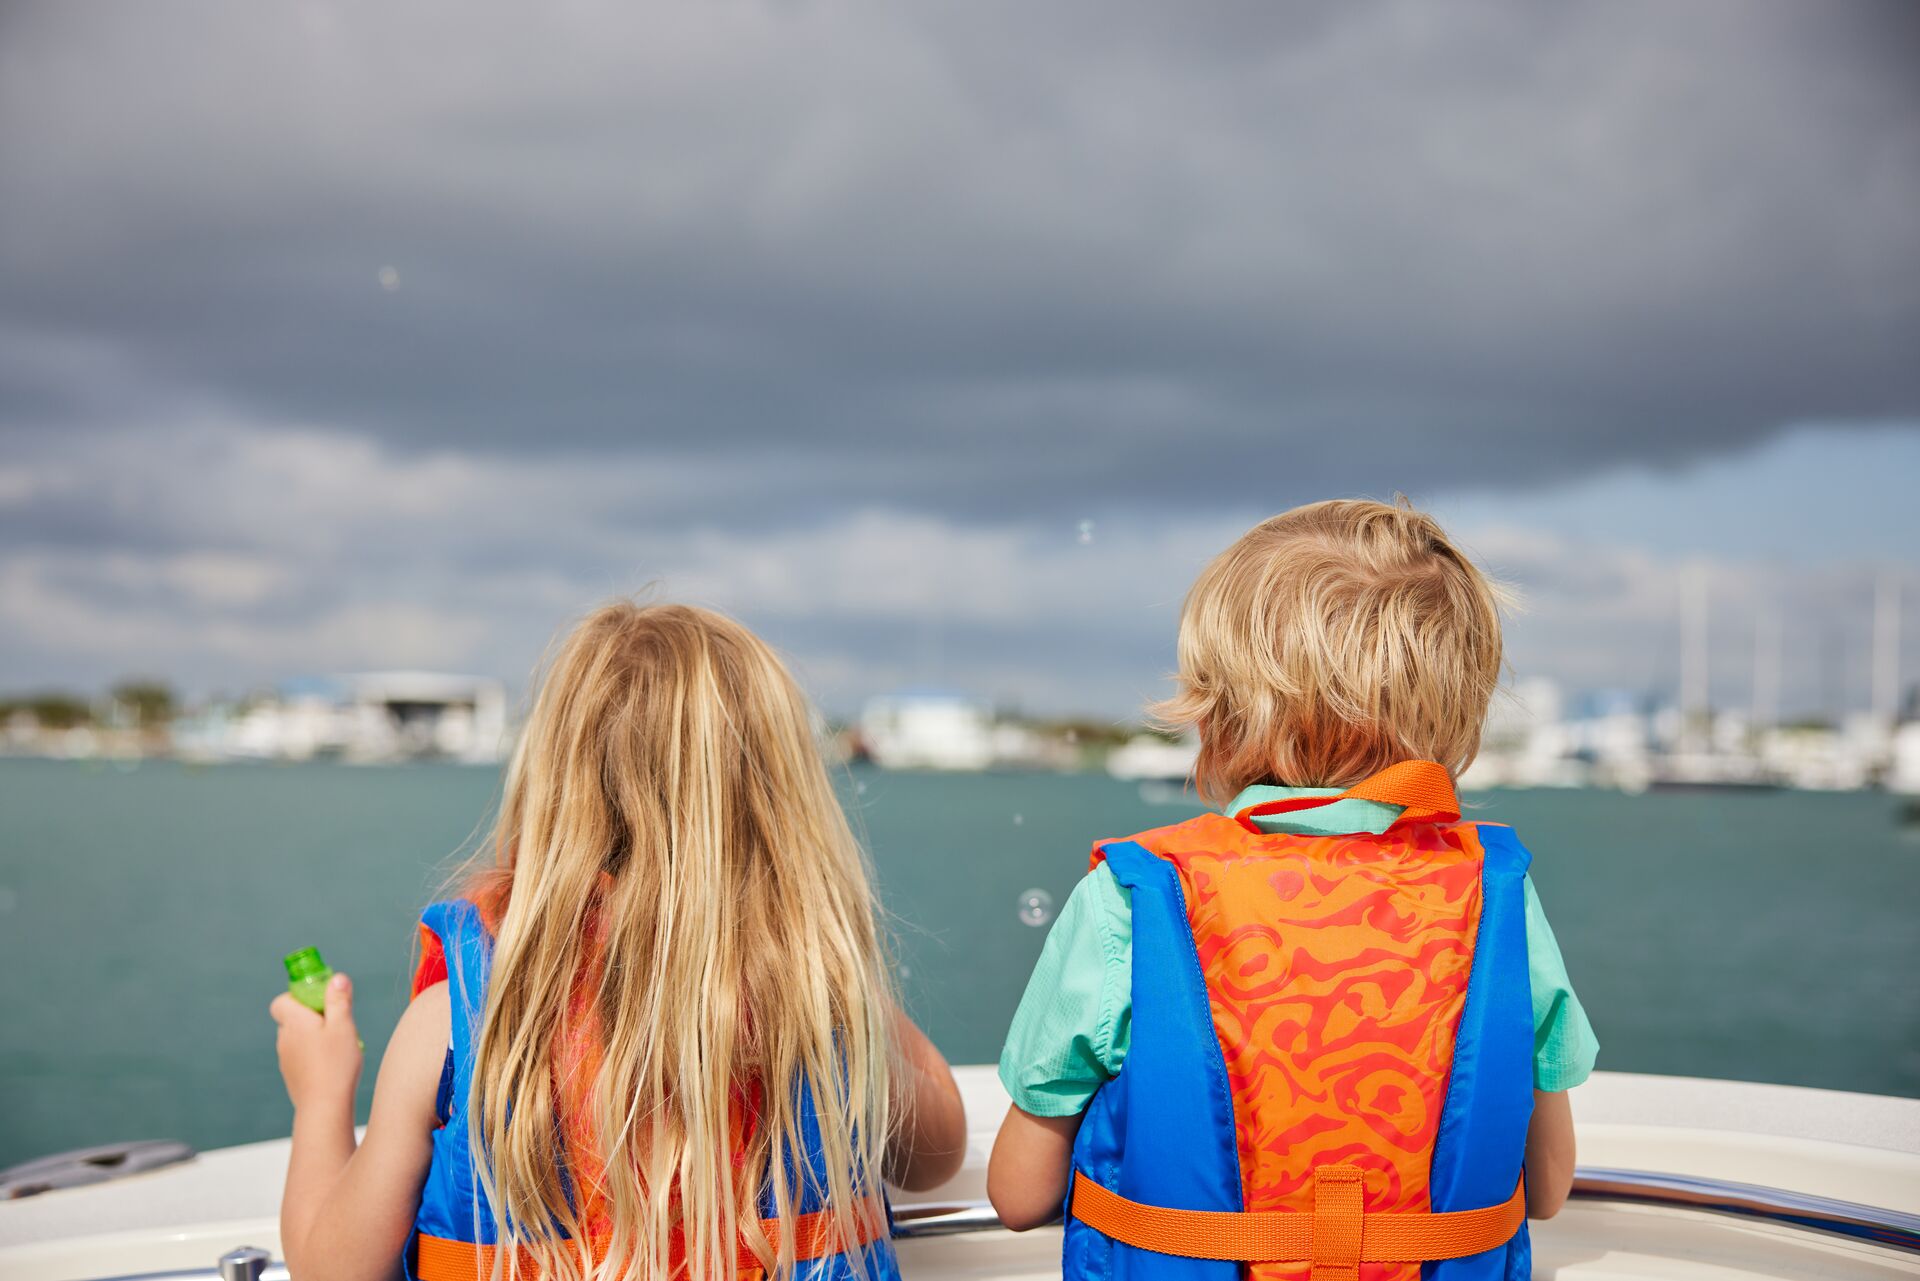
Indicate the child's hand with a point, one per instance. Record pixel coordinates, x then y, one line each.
319 1055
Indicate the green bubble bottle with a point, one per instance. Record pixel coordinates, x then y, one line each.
307 977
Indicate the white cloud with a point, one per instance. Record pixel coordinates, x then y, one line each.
225 557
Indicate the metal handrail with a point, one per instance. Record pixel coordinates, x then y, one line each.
1751 1201
929 1220
1590 1183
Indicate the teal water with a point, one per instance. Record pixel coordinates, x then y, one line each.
143 914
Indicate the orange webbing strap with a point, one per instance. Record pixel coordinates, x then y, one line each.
1339 1223
1423 790
440 1259
1336 1237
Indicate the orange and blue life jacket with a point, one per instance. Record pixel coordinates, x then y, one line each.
1330 1067
454 1233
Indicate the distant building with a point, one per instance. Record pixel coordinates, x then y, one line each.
1021 745
368 717
927 729
1149 758
1903 774
1813 757
1524 742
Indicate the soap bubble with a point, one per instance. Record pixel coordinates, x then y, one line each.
860 787
389 278
1036 907
905 973
1086 532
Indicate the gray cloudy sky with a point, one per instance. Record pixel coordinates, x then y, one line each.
943 342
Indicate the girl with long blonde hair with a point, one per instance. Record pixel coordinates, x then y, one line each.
653 1035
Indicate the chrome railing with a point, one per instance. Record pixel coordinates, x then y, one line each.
1750 1201
933 1219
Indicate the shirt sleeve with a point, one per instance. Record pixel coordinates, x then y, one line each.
1069 1036
1564 1046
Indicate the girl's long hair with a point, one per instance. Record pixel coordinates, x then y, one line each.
687 939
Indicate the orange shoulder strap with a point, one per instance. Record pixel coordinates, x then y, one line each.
1423 790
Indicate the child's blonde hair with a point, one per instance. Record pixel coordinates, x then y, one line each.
681 886
1331 641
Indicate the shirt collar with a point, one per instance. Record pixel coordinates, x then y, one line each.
1338 819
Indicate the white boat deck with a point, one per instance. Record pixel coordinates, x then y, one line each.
1846 1147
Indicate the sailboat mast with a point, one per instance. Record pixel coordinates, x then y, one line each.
1886 648
1694 704
1766 667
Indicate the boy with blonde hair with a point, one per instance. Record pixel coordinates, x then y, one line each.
1328 1028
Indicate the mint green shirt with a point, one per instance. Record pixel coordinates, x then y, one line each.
1071 1032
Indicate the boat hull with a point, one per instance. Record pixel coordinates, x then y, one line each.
1815 1145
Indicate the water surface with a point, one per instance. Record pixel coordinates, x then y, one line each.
143 914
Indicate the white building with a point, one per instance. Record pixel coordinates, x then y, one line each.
1903 772
1525 743
927 729
369 717
1148 757
1814 758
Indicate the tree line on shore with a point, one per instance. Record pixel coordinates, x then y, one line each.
136 703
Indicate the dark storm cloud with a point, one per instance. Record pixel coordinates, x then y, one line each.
940 342
968 257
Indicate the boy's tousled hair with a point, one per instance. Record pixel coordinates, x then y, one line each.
1331 641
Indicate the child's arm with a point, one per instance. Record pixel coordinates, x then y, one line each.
1549 1154
1027 1174
1066 1041
1564 1050
930 1142
346 1214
